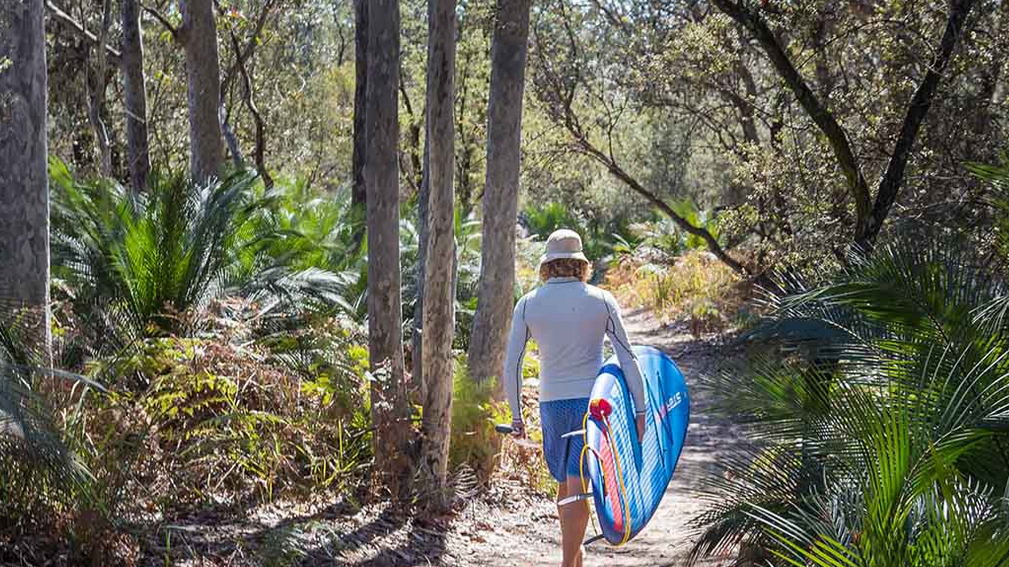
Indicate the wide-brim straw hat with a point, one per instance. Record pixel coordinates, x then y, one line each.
564 244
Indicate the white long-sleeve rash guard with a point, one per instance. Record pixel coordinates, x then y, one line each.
569 320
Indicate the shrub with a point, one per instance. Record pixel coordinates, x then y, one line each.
876 401
270 417
696 289
543 219
474 441
598 235
48 484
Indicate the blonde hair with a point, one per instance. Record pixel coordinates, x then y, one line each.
566 268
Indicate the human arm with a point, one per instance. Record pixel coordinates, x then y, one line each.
512 374
628 361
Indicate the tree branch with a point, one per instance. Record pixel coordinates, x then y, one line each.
243 55
176 32
250 104
921 101
614 18
114 55
586 148
560 99
820 115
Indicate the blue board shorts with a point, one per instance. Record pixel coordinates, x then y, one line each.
558 417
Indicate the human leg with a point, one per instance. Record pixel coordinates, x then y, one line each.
574 520
562 456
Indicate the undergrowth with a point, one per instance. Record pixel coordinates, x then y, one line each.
695 288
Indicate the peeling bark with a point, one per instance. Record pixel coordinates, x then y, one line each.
439 266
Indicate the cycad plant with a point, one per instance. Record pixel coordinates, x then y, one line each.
41 476
150 264
875 428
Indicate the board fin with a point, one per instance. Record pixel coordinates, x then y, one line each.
575 498
573 433
593 539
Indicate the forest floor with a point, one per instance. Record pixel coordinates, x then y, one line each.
509 525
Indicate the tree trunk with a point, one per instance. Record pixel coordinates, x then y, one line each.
390 406
138 149
24 186
439 304
358 194
423 200
203 72
500 199
96 94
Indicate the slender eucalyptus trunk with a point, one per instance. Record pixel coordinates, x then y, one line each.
500 201
359 194
390 406
138 149
439 266
24 184
203 72
423 198
96 87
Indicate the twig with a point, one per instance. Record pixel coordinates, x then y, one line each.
80 30
162 19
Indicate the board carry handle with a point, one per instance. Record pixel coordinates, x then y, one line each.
574 433
504 429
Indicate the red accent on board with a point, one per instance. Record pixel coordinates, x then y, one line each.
612 488
600 407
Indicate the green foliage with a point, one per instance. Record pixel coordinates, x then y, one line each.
158 254
152 264
243 419
689 211
41 476
49 484
474 414
544 219
996 177
873 421
222 320
599 234
468 237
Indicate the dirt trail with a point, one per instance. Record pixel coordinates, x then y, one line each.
530 534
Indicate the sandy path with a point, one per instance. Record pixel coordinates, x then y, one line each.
533 537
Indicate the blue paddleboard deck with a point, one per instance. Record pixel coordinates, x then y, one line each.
629 479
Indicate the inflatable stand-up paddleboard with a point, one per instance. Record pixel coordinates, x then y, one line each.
628 479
